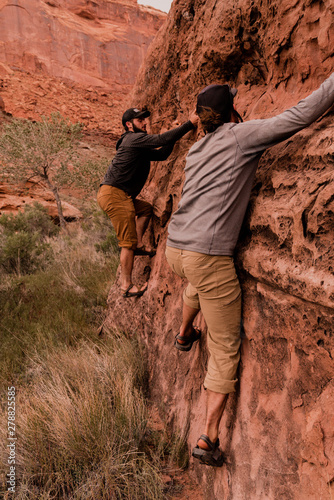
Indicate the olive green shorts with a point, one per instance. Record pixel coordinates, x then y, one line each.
214 288
123 210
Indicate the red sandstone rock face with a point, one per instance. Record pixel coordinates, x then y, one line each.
91 43
15 198
278 428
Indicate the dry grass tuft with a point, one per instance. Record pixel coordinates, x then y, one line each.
81 422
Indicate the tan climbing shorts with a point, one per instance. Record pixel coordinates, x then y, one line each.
214 288
122 210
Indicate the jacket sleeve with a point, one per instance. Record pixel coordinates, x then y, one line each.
255 136
162 153
151 141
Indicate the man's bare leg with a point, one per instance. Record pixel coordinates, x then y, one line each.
126 259
215 405
188 316
141 226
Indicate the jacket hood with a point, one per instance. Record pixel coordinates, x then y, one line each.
119 142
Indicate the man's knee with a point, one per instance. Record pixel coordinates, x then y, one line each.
190 297
126 233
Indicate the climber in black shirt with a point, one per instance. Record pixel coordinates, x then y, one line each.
125 179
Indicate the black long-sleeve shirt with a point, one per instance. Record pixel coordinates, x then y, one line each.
135 150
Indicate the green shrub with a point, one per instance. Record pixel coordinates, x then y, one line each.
96 221
21 252
23 248
33 219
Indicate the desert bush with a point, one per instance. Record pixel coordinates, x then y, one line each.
23 246
81 423
105 234
84 174
22 252
33 219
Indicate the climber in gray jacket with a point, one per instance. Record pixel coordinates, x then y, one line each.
203 232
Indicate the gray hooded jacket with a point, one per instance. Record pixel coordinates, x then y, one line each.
220 170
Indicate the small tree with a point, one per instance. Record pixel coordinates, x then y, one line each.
39 150
85 175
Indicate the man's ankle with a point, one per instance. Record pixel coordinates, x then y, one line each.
125 282
187 331
202 444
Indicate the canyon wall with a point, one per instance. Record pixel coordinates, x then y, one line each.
94 43
278 429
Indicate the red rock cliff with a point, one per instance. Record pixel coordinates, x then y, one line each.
280 423
93 43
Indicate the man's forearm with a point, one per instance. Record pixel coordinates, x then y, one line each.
258 135
165 139
162 153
